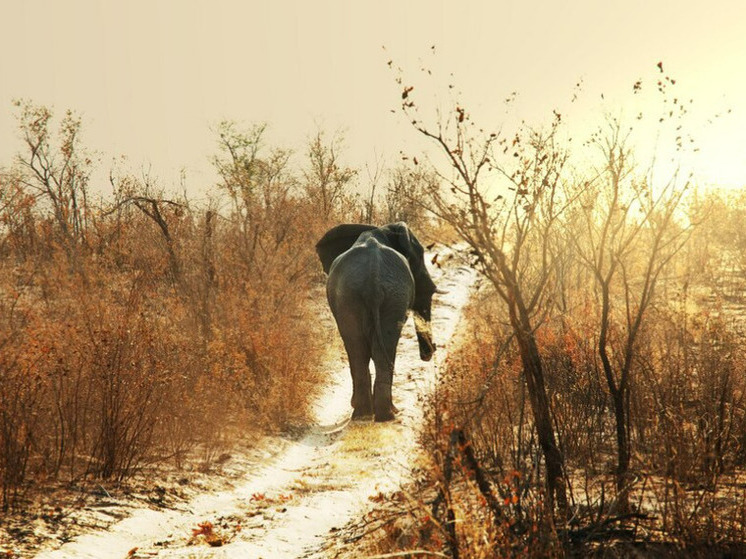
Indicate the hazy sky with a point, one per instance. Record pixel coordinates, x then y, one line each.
151 78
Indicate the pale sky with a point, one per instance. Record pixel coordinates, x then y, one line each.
151 78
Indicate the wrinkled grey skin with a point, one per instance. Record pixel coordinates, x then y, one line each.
376 275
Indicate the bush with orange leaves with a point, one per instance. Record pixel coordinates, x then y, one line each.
143 328
480 487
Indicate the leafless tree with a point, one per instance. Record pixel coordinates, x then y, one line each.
326 179
405 192
144 195
628 237
503 197
57 171
374 174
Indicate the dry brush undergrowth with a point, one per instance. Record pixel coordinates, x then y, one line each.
139 329
480 491
597 404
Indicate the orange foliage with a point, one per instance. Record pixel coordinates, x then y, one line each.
143 329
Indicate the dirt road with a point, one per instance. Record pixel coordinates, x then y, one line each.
304 489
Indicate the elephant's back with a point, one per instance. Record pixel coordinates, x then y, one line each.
369 269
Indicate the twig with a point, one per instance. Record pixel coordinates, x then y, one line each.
361 535
444 495
480 476
407 554
604 531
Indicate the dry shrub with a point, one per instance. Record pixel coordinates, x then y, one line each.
483 391
580 402
20 390
482 476
689 420
104 368
264 327
691 399
123 365
480 393
265 355
158 332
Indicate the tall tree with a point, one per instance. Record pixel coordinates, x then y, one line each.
326 179
628 237
509 228
57 171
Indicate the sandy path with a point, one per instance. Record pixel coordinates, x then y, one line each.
308 487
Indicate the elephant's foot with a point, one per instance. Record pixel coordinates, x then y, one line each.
382 404
388 413
359 413
362 407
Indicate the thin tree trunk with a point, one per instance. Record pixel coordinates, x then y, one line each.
623 449
534 372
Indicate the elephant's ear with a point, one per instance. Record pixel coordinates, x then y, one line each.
337 240
403 240
406 243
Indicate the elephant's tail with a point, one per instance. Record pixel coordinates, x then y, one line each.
376 311
376 304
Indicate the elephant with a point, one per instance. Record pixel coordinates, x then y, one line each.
376 275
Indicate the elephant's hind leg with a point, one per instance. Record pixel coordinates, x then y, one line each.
384 357
362 396
383 408
358 354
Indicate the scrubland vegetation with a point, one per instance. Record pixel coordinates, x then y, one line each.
141 328
596 406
